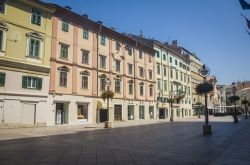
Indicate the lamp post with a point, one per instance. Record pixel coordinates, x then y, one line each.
108 83
171 106
246 102
204 72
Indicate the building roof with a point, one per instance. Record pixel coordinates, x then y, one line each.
84 21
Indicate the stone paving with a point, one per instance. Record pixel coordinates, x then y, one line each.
158 142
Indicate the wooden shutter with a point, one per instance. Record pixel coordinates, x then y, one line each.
24 82
2 79
39 83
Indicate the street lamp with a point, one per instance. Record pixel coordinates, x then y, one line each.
171 100
245 102
108 83
204 72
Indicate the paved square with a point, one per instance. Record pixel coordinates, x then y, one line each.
164 143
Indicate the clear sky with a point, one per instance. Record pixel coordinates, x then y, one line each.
213 29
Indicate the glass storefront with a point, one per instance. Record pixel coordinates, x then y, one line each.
141 112
82 112
151 112
131 115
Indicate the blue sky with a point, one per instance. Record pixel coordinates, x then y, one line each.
213 29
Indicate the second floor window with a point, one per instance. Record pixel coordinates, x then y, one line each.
65 26
103 40
63 78
164 57
141 72
102 83
171 73
34 48
151 91
64 51
36 16
117 65
176 73
141 90
85 33
170 59
150 72
85 79
130 88
2 79
130 69
157 54
2 6
181 76
165 86
118 86
85 57
102 61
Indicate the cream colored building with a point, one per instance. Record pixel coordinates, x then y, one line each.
25 35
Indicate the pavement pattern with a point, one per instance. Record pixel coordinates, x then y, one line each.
158 142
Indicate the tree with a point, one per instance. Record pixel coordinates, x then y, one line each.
233 100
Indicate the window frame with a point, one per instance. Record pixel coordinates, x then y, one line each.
39 48
63 45
36 15
103 64
2 79
117 86
117 63
85 33
85 53
130 65
85 81
103 40
63 83
130 88
65 25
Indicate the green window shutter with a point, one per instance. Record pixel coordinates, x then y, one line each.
24 82
2 79
39 83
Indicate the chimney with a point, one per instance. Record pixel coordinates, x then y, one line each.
100 22
174 43
67 7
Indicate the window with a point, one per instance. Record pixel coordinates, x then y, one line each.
141 72
2 6
130 69
102 61
82 111
117 46
36 16
149 58
181 76
185 78
176 75
188 79
159 84
103 40
102 83
1 40
65 26
85 57
189 91
63 78
165 86
151 90
2 79
171 73
150 72
158 69
117 65
140 54
64 51
170 59
141 112
172 87
130 88
180 64
34 48
187 68
176 62
157 54
85 80
164 57
117 85
85 33
32 82
165 71
141 90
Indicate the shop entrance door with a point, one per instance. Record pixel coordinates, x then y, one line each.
118 113
103 115
161 113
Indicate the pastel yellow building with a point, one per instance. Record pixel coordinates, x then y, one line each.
25 35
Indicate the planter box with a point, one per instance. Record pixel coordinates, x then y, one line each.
108 124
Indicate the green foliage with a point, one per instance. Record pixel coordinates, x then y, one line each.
203 88
233 99
107 95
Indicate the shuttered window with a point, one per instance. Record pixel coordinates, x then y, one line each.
32 82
